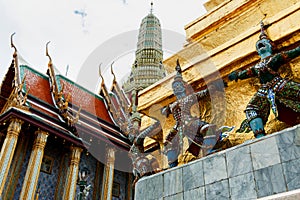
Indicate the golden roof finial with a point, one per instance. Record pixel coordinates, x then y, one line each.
47 54
12 44
16 65
54 86
102 82
112 72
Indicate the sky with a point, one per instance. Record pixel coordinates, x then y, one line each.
81 30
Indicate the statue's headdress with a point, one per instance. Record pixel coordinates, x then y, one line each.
178 76
179 85
263 35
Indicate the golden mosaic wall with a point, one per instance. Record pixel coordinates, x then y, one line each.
223 40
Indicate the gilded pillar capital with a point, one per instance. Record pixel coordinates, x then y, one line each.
14 127
75 155
110 155
41 139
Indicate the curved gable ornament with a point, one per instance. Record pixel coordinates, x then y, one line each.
61 102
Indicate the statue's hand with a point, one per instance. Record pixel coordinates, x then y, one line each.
233 76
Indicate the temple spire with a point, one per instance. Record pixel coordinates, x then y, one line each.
147 67
151 10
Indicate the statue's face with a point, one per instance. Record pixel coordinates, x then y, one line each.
179 89
264 48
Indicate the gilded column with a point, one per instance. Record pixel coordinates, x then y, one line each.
34 165
70 187
8 149
108 175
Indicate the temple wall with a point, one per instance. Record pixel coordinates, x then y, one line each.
219 42
47 182
121 180
256 169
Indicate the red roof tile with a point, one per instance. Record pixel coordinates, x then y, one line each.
81 97
37 84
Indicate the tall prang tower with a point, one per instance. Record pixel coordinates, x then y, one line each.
147 67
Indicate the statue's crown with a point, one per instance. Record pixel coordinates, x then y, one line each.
263 34
178 76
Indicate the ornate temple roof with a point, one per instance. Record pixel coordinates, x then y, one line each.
117 103
58 105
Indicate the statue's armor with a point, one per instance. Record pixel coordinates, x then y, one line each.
181 109
274 89
186 124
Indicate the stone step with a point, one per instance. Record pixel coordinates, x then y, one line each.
291 195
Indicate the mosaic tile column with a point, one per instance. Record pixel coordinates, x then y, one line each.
8 149
70 187
108 175
34 165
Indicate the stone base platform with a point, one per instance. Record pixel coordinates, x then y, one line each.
256 169
291 195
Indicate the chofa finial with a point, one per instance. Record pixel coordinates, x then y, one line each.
112 72
47 54
16 63
12 44
100 74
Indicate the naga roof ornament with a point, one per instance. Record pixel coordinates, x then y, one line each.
16 63
112 72
103 92
61 102
17 97
102 79
119 92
